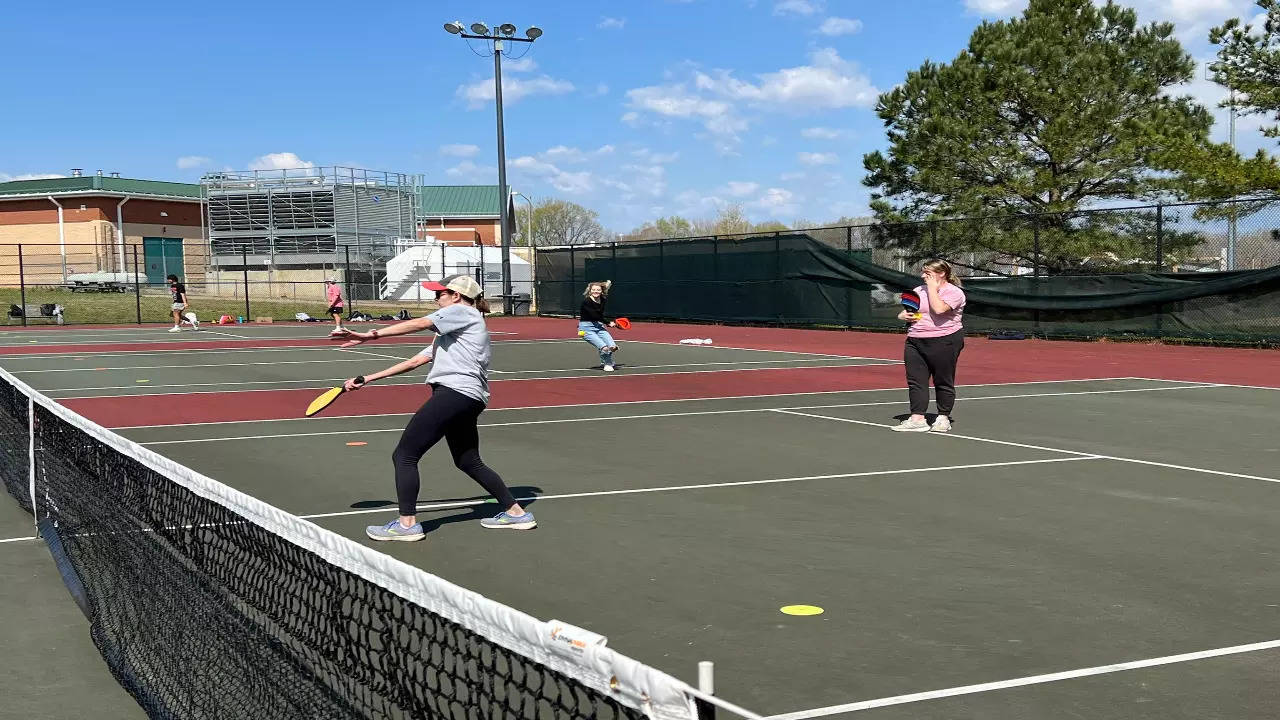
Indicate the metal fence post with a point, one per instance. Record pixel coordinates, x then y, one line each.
1159 238
22 285
848 288
1035 268
244 256
346 282
137 286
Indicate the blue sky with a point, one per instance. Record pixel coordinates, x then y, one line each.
635 109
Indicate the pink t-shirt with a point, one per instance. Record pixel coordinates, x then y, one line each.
932 324
333 294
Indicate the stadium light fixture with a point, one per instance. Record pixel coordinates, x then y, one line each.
502 34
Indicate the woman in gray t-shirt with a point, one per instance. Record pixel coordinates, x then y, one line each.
459 382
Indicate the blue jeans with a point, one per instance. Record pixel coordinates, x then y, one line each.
598 335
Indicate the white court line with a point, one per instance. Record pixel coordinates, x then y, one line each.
731 347
703 486
650 415
1135 461
1023 681
17 539
320 382
374 354
1234 385
263 348
192 365
622 402
706 364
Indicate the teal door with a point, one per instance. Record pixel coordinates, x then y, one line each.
163 257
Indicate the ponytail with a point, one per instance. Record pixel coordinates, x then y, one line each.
944 267
481 304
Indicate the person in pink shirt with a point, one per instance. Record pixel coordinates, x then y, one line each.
333 294
934 342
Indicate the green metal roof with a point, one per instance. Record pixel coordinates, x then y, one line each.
458 201
95 183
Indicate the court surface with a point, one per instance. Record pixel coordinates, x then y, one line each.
1098 545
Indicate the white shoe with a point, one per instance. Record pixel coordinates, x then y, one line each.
175 328
338 331
195 325
608 368
911 425
942 424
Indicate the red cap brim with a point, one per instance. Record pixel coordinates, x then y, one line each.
433 285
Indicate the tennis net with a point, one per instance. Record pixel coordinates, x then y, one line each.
207 603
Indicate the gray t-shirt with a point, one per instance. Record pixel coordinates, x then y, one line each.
460 352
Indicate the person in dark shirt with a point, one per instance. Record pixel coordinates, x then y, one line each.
592 322
180 305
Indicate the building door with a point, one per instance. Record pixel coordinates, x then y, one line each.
163 257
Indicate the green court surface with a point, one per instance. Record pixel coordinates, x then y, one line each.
1099 549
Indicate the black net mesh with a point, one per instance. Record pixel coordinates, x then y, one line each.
202 613
15 438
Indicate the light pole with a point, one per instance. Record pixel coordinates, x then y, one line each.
506 31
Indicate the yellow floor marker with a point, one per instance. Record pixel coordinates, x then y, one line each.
801 610
357 444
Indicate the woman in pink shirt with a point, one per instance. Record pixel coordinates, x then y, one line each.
333 294
934 342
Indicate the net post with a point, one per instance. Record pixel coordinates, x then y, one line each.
31 460
137 286
22 286
244 260
706 684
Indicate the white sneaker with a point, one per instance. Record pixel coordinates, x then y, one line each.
942 424
608 368
337 331
195 324
911 425
175 328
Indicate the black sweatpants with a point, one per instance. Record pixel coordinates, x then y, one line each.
450 415
936 356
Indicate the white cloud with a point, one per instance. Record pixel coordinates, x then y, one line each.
789 176
602 89
612 23
675 101
741 189
566 154
797 7
480 93
840 26
655 158
187 162
569 182
828 82
279 161
6 177
459 150
525 64
995 8
811 158
820 133
776 200
467 172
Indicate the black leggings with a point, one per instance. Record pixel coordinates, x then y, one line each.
451 415
936 356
